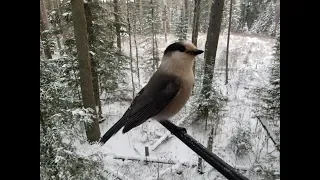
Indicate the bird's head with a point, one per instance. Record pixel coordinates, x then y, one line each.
179 56
182 49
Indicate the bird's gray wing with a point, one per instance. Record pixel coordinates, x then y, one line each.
159 91
153 98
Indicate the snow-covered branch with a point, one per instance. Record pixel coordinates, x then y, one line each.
160 140
149 159
164 137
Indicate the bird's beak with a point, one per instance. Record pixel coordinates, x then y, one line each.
198 51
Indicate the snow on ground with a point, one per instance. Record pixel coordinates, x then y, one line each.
249 59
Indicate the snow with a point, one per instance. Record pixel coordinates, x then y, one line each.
249 60
66 14
117 173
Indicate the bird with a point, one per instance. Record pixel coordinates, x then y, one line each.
166 92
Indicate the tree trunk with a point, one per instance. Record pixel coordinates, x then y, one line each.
140 16
227 55
117 23
135 44
41 45
244 16
210 54
209 147
57 16
210 2
60 16
49 4
165 23
45 29
168 17
154 48
58 41
200 168
81 36
77 88
130 47
92 39
210 139
277 17
195 26
43 125
185 22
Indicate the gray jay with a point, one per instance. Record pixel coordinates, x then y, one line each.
165 94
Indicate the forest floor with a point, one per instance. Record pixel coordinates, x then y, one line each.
249 60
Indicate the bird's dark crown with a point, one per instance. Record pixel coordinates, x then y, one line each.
177 46
181 46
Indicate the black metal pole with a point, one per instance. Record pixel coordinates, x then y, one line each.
225 169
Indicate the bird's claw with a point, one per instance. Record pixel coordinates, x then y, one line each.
181 129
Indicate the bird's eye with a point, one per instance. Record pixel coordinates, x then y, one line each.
175 47
182 48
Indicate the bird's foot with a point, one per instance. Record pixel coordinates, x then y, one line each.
180 129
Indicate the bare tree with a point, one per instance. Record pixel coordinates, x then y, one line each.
117 22
227 53
195 26
130 47
155 55
80 31
186 17
277 17
165 21
210 55
135 43
52 6
140 15
44 28
57 2
94 66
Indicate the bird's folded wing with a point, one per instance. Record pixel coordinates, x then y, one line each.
150 102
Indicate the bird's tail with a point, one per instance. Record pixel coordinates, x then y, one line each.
113 130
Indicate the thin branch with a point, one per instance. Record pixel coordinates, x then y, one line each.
227 55
270 133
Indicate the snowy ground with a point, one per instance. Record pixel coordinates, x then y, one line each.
248 62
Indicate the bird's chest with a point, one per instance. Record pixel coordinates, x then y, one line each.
179 100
